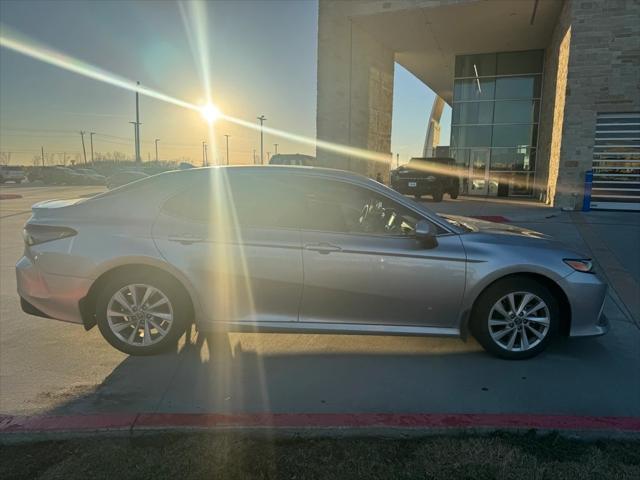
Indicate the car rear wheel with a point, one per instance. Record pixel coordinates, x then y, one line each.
141 314
515 318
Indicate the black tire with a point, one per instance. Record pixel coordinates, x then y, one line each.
482 309
178 301
453 194
437 196
417 197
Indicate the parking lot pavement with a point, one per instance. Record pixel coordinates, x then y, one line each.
51 367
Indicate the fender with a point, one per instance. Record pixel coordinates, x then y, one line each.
128 261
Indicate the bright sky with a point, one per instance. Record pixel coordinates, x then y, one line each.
263 60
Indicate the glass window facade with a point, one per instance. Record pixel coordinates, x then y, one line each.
496 106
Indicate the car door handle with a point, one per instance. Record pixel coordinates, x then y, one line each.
323 248
185 239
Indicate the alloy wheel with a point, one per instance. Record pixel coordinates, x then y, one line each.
140 315
519 321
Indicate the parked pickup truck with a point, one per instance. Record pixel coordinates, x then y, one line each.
433 176
12 174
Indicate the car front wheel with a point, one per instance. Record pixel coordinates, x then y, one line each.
141 315
515 318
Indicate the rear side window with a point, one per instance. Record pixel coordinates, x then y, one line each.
266 201
192 204
245 200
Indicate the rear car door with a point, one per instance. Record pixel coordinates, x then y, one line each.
235 237
363 265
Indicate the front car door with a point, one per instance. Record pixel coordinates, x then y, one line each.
362 264
235 237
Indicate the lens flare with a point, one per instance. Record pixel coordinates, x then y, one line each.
210 112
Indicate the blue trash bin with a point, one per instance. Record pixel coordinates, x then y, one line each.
588 184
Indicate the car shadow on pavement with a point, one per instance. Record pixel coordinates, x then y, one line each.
259 373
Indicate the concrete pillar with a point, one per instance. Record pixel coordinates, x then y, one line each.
355 91
552 112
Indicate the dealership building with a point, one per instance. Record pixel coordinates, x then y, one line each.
542 91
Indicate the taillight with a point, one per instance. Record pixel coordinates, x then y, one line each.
36 234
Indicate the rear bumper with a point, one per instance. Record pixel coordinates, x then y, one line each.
586 293
422 187
48 295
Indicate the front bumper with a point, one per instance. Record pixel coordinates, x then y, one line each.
586 294
52 296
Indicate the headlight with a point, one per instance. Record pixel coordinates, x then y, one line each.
581 265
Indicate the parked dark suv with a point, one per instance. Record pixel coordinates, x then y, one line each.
433 176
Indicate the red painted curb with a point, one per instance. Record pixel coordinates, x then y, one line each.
17 424
9 196
146 421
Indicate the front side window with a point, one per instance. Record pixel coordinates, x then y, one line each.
334 206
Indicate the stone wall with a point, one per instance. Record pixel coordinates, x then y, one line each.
603 76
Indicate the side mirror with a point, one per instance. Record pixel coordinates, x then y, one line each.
426 234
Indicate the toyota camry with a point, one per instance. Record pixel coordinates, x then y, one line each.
297 249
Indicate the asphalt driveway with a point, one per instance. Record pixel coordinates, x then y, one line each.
51 367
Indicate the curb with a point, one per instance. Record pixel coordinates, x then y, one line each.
12 427
9 196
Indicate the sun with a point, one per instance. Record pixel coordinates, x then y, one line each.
210 112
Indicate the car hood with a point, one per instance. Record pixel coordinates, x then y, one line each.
491 233
476 225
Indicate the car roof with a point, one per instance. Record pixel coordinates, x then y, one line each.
271 169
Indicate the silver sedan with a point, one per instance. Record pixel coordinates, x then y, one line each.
297 249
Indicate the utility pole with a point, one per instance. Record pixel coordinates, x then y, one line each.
227 137
397 160
138 159
64 159
157 140
262 118
135 139
276 146
204 153
84 150
91 134
42 152
254 156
